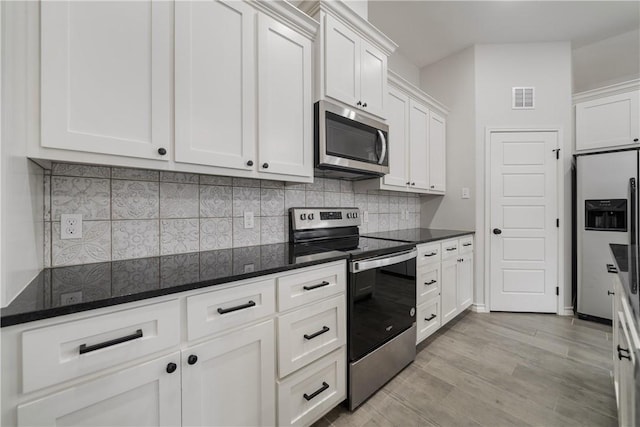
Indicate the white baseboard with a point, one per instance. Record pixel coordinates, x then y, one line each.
478 308
567 311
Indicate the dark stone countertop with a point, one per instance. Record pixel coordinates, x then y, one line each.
65 290
418 235
621 258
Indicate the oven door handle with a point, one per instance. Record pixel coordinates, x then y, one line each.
360 266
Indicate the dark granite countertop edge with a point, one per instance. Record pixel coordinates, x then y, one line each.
452 234
16 319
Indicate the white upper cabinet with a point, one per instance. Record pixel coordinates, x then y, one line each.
418 145
437 152
609 121
398 120
373 79
106 81
215 83
285 126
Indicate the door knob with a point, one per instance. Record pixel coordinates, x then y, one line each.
265 165
192 359
171 368
162 151
497 231
250 163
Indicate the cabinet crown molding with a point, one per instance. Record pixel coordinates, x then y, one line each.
400 83
349 17
606 91
288 14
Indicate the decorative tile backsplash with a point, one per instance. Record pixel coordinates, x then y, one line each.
135 213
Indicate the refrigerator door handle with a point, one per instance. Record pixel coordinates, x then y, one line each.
633 229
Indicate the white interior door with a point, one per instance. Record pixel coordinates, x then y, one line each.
524 234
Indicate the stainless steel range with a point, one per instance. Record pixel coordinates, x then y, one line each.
381 295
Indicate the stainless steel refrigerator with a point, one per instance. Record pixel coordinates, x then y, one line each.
604 215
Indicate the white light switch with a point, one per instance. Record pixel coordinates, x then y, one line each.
466 194
248 219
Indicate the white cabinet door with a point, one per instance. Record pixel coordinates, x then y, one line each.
608 122
342 62
105 80
449 289
215 70
465 281
284 100
232 382
419 148
398 121
373 79
145 395
437 152
626 363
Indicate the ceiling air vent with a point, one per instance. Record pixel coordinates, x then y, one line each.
523 98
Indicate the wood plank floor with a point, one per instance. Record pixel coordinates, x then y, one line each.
499 369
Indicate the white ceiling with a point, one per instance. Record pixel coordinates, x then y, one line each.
428 31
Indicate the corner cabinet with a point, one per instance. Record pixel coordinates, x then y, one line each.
417 142
219 87
608 117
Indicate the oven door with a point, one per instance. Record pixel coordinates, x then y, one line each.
382 301
348 140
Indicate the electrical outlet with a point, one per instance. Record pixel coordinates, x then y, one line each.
70 226
466 194
248 219
71 298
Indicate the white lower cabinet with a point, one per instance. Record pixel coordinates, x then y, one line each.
449 292
144 395
229 381
465 281
428 318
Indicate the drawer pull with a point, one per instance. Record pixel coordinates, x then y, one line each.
317 392
89 348
466 244
320 332
431 254
430 282
622 356
451 249
430 318
236 308
319 285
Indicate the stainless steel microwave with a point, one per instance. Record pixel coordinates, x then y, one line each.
348 144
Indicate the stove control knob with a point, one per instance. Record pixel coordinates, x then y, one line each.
348 216
310 216
355 215
303 216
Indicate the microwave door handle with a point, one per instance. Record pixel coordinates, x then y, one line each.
384 147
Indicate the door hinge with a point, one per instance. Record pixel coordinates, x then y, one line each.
557 290
558 222
557 150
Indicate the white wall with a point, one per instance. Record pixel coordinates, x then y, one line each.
609 61
361 7
547 67
452 82
21 182
401 65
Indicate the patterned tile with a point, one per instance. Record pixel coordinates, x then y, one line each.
246 199
133 276
331 200
216 201
215 180
316 185
94 246
272 230
214 264
394 221
179 236
346 186
295 186
332 185
134 239
361 202
246 260
383 222
347 200
383 203
372 203
271 202
216 233
412 203
89 197
285 225
267 183
314 199
372 225
90 282
394 204
246 182
176 270
403 204
246 236
178 200
179 177
135 174
87 171
47 197
134 199
293 199
47 244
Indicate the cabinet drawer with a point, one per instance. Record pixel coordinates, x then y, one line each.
449 249
465 244
58 353
219 310
310 285
308 394
428 283
428 253
309 333
428 318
